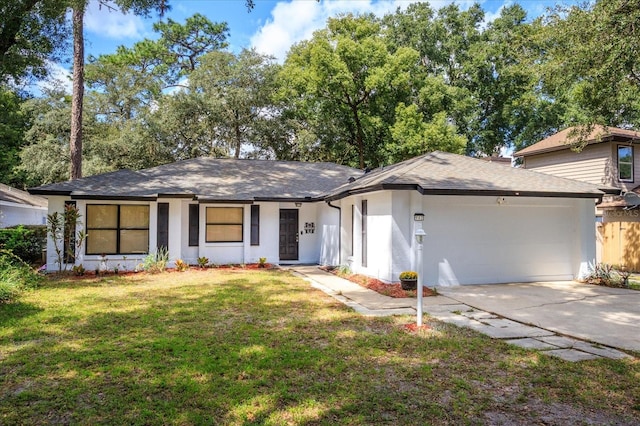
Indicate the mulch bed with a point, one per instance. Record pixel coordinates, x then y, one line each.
391 290
413 327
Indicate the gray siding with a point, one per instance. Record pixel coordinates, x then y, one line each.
595 164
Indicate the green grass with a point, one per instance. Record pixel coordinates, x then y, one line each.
262 347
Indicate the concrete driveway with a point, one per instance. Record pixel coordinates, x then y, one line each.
609 316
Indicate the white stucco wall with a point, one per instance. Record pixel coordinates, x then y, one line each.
474 240
189 254
12 214
309 244
311 249
269 228
379 234
329 234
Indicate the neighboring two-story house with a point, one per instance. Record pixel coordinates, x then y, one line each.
610 158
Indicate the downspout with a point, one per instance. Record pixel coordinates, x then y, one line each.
339 230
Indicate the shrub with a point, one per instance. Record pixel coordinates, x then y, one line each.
607 275
26 242
16 276
262 262
344 270
78 270
203 261
181 265
156 262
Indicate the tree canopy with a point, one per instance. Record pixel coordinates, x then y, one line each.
363 91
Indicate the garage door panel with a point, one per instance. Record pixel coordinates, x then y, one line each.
494 244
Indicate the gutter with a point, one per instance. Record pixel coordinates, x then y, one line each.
470 192
339 230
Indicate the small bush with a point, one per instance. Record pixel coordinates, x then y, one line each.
78 270
155 263
203 261
26 242
262 262
607 275
344 269
181 265
16 276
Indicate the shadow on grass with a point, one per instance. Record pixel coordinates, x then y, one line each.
12 312
242 351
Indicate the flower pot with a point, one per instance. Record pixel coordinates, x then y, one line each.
409 284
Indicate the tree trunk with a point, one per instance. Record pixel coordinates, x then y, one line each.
238 135
75 142
359 135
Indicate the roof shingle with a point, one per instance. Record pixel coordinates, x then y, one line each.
211 179
446 173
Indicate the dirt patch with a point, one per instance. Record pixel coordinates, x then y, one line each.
535 411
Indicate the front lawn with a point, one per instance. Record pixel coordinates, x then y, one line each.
262 347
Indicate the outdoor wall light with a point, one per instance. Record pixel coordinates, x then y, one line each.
418 217
420 235
501 200
298 204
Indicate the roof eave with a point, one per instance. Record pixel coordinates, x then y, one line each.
114 197
465 192
45 192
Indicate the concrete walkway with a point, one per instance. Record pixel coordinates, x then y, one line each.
458 306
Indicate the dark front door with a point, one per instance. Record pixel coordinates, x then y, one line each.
288 234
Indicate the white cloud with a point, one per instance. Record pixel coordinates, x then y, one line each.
59 78
112 23
295 21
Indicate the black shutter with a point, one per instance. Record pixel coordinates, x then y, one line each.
194 224
163 226
364 232
255 225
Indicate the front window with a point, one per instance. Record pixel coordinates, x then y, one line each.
224 225
117 229
625 163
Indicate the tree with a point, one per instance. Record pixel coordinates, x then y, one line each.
75 139
235 90
32 32
133 79
13 124
348 77
592 62
78 7
44 158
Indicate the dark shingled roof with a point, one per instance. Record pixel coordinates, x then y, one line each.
446 173
13 195
566 139
211 179
229 180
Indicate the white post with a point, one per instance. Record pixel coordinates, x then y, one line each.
419 238
419 284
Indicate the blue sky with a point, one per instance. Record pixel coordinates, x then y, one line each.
271 27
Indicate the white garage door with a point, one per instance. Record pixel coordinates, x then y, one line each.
475 240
